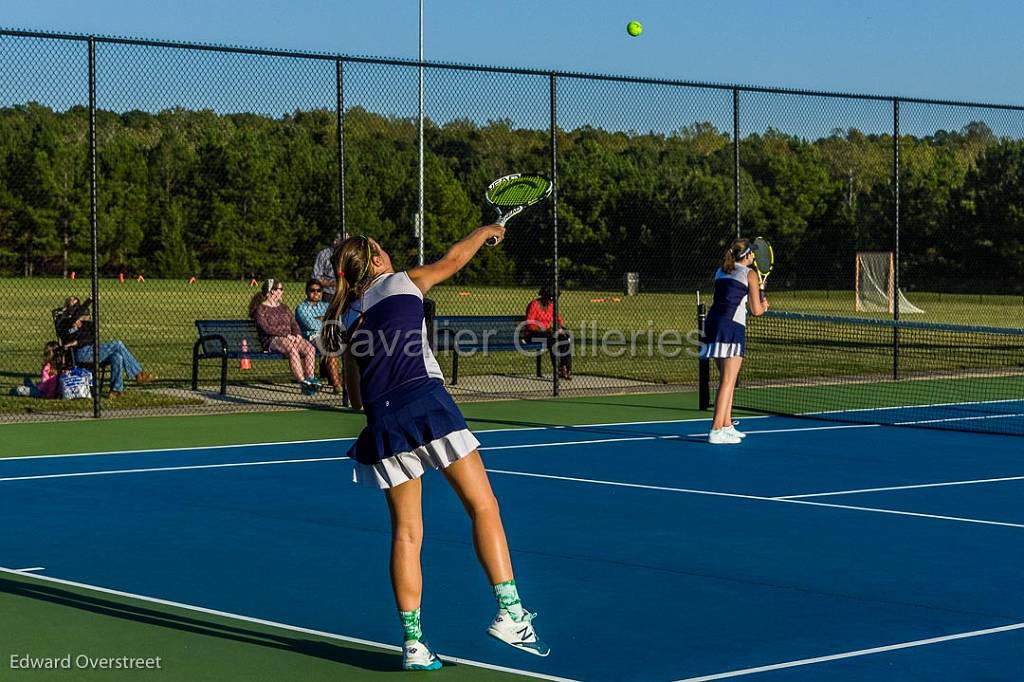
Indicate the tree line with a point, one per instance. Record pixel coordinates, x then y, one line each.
195 193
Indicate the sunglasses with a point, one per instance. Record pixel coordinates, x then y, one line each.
314 291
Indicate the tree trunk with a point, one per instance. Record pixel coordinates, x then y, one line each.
64 253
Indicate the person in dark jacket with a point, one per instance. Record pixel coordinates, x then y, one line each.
75 329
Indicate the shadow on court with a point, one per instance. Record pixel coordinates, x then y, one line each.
337 652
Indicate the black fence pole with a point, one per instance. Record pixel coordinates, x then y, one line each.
339 114
554 218
736 155
94 229
340 138
896 239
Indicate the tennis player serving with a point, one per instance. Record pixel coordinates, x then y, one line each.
736 286
412 424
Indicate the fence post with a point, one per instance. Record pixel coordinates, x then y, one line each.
93 227
896 239
554 213
339 115
736 155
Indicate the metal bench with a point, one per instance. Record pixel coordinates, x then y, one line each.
222 339
461 334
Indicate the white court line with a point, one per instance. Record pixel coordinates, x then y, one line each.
29 570
879 510
574 442
854 654
960 419
274 624
200 448
900 487
226 465
112 472
909 407
802 428
655 421
713 493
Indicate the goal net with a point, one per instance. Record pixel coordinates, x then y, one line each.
875 288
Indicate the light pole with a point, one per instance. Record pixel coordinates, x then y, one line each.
420 222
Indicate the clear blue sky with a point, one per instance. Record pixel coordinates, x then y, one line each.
941 49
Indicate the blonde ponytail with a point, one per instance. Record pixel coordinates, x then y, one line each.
351 261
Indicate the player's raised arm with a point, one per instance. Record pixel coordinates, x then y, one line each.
426 276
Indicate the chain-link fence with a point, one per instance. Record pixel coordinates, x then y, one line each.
218 168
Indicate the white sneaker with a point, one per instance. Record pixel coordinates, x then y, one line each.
723 437
519 634
416 655
732 430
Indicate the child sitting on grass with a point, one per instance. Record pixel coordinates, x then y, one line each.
49 375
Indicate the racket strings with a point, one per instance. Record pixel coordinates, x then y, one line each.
764 257
518 192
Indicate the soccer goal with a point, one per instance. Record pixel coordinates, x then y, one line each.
875 286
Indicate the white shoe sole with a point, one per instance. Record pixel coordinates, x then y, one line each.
724 441
420 662
536 647
528 647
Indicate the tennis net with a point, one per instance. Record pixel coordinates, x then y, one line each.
883 372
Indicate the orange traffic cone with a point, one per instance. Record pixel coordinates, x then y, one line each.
74 275
254 283
120 278
192 280
245 363
140 279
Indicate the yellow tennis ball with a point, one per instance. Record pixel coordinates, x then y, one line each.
634 28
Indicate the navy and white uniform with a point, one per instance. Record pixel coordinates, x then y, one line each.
726 325
411 421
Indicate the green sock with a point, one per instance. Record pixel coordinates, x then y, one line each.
508 599
411 624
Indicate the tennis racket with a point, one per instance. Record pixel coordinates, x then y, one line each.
511 194
764 260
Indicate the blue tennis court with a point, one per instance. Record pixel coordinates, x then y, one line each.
812 551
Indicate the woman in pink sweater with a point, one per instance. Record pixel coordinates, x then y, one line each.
279 332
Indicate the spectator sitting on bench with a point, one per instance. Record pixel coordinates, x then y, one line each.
310 316
49 375
280 333
75 329
540 326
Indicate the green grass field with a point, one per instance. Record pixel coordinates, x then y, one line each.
156 320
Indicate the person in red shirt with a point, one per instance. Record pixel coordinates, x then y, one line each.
540 326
